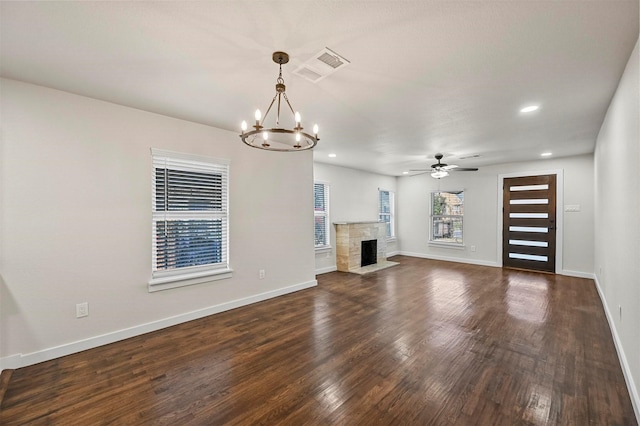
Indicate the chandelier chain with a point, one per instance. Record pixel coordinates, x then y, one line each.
280 80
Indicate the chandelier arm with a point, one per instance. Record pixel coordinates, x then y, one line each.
278 111
269 109
286 98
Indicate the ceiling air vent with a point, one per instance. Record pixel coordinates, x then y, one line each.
308 73
321 65
331 60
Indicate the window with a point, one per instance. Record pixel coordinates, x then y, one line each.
321 214
190 219
447 210
386 211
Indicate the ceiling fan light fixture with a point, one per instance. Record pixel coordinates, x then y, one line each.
530 108
441 170
439 174
279 138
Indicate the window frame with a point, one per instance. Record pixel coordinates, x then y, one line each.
165 278
432 217
322 213
391 213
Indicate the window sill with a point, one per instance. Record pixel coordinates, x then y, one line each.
454 246
323 249
391 239
165 283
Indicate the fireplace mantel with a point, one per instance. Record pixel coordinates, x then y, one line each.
349 237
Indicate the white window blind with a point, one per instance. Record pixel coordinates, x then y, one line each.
386 211
190 215
321 214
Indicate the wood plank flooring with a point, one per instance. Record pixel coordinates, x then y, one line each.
423 343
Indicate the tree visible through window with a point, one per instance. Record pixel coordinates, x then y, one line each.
447 211
321 214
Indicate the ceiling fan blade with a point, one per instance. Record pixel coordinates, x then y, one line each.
465 169
421 172
449 167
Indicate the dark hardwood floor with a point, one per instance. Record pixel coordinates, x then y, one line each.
422 343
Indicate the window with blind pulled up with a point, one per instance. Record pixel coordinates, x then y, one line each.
386 211
190 217
321 214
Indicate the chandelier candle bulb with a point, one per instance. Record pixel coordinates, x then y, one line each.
315 130
243 126
297 119
258 117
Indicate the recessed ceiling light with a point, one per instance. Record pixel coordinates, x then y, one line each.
332 155
405 173
546 154
530 108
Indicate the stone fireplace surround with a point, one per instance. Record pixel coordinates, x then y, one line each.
349 237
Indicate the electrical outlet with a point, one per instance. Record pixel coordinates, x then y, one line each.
261 274
82 310
473 248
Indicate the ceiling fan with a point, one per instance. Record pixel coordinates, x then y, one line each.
440 170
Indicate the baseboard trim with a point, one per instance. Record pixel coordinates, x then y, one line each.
578 274
23 360
450 259
326 270
626 371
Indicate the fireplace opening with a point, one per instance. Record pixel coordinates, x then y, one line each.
368 252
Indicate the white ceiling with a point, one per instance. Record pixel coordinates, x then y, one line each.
425 76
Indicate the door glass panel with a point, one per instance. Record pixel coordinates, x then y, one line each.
530 215
528 229
528 257
530 201
529 187
529 243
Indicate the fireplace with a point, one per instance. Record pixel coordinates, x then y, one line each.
368 252
361 247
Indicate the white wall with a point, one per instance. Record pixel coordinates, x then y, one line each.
353 196
617 220
481 228
75 222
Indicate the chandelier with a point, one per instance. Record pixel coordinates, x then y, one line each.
279 138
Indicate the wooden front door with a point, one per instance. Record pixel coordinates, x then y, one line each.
529 223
